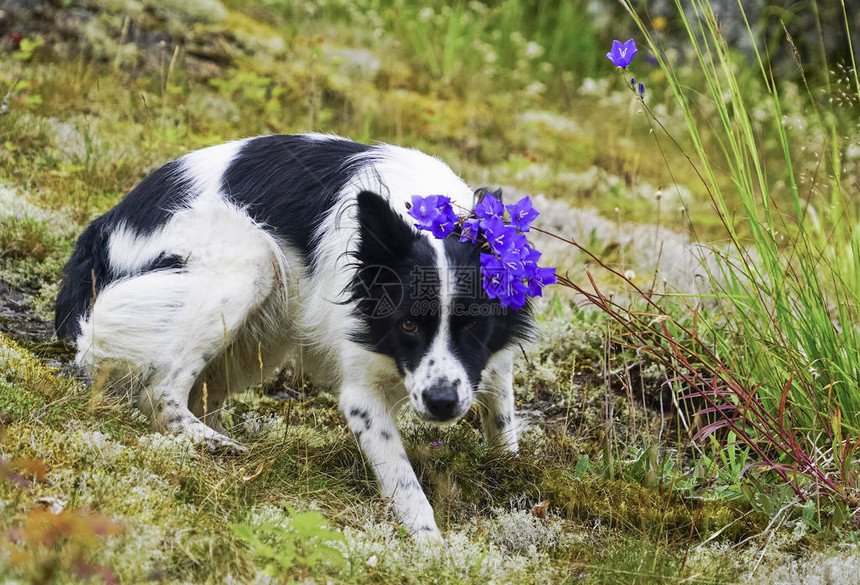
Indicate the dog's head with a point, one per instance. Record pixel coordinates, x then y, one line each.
422 303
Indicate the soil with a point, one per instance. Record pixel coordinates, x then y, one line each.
17 321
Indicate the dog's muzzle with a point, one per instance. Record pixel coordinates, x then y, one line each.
442 402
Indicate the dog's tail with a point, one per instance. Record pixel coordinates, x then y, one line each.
86 272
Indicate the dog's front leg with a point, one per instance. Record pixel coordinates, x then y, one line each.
496 397
372 423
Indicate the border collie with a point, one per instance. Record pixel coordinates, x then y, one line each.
226 264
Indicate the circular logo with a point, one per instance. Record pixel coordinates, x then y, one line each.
378 292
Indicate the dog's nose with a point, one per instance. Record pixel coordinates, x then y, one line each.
441 402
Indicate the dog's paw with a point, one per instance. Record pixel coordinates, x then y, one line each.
427 535
224 446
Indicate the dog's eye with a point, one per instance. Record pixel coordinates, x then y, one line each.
409 326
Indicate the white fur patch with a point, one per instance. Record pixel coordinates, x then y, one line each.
440 366
206 167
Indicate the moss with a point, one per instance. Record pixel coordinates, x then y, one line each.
35 393
258 38
24 237
194 11
16 403
21 369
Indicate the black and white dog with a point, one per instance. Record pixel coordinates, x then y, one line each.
222 266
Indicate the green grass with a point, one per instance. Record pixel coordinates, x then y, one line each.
787 324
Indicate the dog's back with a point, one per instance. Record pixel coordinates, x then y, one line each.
285 183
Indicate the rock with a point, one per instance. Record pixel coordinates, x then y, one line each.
557 122
356 64
108 30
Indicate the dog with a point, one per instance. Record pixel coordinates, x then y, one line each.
226 264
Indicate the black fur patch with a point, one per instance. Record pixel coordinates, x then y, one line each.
392 260
88 261
154 201
163 261
289 183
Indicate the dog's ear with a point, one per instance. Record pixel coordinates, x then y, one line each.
481 192
384 235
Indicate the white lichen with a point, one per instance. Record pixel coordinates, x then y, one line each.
175 447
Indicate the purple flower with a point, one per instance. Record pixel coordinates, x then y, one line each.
512 251
489 207
424 211
539 279
506 240
436 443
434 213
494 229
497 231
529 257
622 53
470 230
495 276
503 280
641 89
510 272
516 297
446 221
523 213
